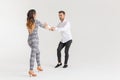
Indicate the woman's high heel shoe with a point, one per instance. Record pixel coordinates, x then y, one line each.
39 68
32 74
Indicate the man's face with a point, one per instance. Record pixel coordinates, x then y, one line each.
61 16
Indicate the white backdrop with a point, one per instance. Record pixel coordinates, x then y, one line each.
95 30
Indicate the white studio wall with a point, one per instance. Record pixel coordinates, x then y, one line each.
95 26
13 31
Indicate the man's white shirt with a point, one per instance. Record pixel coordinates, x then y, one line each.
65 29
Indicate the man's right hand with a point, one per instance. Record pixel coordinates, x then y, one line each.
52 29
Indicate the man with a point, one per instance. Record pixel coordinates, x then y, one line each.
64 28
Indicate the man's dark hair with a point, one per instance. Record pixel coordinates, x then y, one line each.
62 12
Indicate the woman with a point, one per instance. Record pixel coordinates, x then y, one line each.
33 40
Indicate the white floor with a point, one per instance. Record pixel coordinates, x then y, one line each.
74 72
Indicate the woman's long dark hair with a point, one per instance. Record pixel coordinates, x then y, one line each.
30 19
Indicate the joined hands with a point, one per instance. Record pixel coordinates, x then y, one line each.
52 29
48 27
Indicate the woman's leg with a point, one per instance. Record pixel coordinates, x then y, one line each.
38 57
32 58
32 44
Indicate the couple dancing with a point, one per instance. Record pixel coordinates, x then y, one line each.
33 40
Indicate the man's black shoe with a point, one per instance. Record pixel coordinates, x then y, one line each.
65 66
59 64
